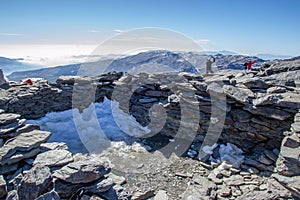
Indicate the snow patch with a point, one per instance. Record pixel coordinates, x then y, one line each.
92 130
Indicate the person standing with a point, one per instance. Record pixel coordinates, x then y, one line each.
210 60
250 63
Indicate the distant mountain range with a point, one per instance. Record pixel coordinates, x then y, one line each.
273 57
9 65
150 61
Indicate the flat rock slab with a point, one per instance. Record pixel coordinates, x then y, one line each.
4 130
23 143
54 158
83 171
8 118
237 94
35 183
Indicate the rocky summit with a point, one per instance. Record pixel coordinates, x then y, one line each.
227 135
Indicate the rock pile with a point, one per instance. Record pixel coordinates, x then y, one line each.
35 101
31 168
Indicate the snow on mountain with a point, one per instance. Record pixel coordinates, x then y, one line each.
150 61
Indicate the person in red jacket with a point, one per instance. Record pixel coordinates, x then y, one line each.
250 63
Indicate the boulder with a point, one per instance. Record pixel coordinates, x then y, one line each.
83 171
236 94
23 143
35 183
54 158
255 82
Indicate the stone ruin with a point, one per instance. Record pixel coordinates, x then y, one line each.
261 117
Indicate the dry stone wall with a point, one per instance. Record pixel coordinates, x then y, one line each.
261 116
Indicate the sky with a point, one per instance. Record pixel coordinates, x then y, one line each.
247 27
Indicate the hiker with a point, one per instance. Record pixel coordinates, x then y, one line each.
210 60
248 65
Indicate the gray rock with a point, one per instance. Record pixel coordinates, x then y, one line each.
22 143
54 146
271 155
54 158
234 180
257 165
254 194
35 183
267 100
240 115
143 195
5 130
12 195
288 162
18 156
3 188
253 170
268 112
161 195
100 186
276 89
224 191
264 160
66 80
120 180
83 171
290 183
7 169
65 189
201 190
152 93
256 82
148 100
236 94
49 196
8 118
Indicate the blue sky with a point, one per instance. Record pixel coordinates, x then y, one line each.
256 26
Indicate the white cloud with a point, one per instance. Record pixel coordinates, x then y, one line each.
119 31
11 34
94 31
